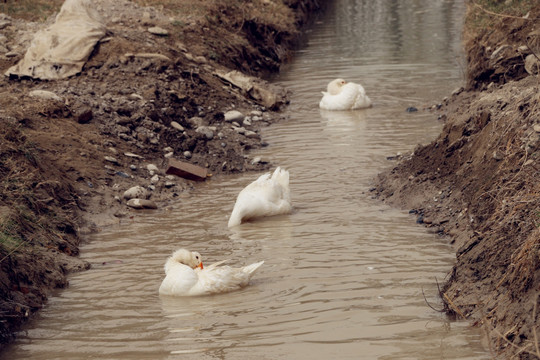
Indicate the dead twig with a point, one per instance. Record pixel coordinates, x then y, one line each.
453 306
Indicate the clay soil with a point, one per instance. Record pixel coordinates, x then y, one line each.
476 184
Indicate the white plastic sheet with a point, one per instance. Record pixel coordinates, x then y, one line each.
62 49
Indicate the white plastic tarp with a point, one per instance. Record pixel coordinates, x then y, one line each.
62 49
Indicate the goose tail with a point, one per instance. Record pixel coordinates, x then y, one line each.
250 269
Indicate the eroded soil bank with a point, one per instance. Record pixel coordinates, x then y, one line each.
143 96
478 184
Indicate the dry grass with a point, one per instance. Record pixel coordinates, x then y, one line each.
483 14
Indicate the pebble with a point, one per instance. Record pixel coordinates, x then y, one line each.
177 126
411 109
132 155
85 116
206 131
135 192
536 128
240 130
141 204
234 115
251 134
111 160
152 167
187 154
154 180
122 174
45 95
169 184
497 155
156 30
133 167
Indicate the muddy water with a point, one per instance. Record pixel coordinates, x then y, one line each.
344 274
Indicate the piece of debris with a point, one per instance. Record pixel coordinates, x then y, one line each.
186 170
62 49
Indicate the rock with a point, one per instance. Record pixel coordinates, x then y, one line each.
186 170
177 126
136 192
240 130
536 128
122 174
251 134
169 184
196 121
187 154
132 155
208 133
154 180
111 160
85 116
152 167
156 30
141 204
234 115
45 95
532 64
411 109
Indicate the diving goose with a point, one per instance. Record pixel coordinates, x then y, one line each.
268 195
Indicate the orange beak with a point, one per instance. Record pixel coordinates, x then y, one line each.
200 265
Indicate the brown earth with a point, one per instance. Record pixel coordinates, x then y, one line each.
478 184
64 165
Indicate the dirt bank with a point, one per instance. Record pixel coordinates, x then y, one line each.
142 97
477 183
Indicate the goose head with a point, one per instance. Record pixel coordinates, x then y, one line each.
334 86
190 258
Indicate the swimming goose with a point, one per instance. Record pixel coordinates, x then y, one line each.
186 276
342 95
266 196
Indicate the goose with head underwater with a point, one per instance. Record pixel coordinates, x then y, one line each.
186 276
268 195
343 95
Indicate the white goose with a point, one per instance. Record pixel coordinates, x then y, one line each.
185 275
266 196
342 95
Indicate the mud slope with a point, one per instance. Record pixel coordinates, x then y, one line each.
478 183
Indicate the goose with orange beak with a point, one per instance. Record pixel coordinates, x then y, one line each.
186 276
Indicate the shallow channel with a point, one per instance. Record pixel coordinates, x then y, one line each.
344 274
